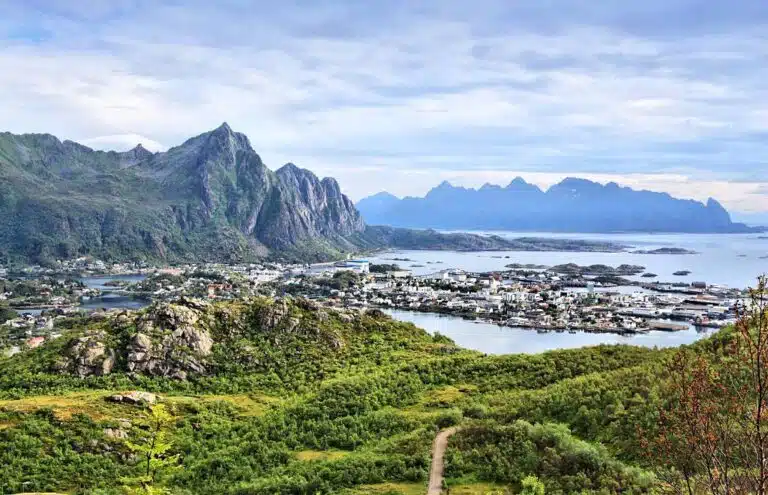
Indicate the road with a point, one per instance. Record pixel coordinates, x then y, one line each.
438 452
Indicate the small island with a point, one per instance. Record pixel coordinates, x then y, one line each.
649 275
525 266
598 270
682 273
665 250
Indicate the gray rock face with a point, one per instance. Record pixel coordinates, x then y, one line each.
171 342
211 197
89 356
310 208
115 433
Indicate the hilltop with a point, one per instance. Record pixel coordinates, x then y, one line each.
285 396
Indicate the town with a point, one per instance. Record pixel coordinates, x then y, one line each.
571 298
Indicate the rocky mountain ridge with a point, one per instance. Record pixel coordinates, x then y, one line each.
211 197
572 205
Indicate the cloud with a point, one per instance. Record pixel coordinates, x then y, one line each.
762 189
596 89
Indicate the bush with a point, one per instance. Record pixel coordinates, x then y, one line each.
449 418
476 411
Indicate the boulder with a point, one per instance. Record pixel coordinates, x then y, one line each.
116 433
172 341
89 356
134 397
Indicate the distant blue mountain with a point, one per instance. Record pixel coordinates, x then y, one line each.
573 205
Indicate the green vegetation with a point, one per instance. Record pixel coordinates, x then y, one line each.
7 313
294 398
384 268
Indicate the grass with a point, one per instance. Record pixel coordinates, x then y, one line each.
94 405
446 396
421 489
479 489
90 403
321 455
389 489
249 405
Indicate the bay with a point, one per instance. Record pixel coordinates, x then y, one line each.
733 260
99 282
493 339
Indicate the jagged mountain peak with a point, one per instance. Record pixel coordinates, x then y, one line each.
577 183
573 205
330 182
489 187
223 128
291 168
517 181
384 195
208 198
140 152
222 137
518 184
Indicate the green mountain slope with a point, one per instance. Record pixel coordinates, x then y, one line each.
209 198
287 397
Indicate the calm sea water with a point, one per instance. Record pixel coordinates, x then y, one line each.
108 300
493 339
733 260
98 282
724 259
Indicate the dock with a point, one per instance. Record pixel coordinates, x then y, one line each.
666 326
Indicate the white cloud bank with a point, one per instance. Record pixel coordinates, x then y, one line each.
401 100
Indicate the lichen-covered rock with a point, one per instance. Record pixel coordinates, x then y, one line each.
272 315
88 355
115 433
172 340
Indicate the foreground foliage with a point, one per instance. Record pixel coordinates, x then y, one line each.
326 402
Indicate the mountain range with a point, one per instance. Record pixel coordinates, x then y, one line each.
212 197
208 199
573 205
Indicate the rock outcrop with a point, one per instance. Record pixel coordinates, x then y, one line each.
170 340
88 356
135 397
191 338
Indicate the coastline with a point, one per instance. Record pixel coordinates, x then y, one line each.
500 322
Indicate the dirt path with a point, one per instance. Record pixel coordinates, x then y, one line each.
438 451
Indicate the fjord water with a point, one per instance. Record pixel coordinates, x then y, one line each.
494 339
733 260
108 299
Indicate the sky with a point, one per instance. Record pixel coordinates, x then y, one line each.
399 95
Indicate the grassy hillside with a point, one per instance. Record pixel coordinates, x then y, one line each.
292 398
